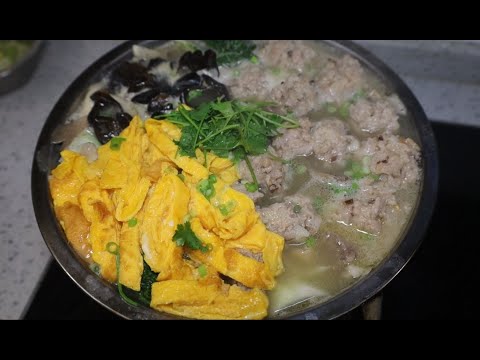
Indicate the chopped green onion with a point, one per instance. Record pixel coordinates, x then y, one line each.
310 241
318 203
276 71
202 270
251 187
227 208
254 60
206 186
132 222
116 142
300 169
297 208
114 249
95 268
358 95
367 236
193 94
331 108
350 190
344 110
357 170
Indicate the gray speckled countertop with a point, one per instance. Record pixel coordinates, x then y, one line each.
443 74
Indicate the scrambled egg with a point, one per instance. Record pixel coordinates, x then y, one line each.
135 197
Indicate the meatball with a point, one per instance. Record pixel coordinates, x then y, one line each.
294 218
270 173
286 54
331 140
395 156
298 93
374 114
295 142
340 79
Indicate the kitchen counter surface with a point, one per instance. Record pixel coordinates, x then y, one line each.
443 74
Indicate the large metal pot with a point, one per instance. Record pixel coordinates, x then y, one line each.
47 155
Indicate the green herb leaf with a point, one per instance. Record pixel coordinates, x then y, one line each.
222 127
186 143
149 277
310 241
228 129
206 186
297 209
184 236
231 51
116 142
202 271
238 154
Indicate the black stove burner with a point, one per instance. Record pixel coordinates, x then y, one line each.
438 283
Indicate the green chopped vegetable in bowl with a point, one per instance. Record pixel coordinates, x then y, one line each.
12 51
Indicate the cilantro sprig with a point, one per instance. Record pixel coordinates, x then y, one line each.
184 236
229 128
231 51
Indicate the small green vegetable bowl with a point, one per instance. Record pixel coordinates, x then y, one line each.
21 69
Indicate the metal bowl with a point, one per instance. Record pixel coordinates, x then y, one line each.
47 155
20 72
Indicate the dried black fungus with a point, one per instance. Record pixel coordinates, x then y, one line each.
146 96
154 62
206 88
187 82
134 76
159 106
107 117
197 60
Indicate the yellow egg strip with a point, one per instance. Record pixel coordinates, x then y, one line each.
140 180
192 299
131 259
